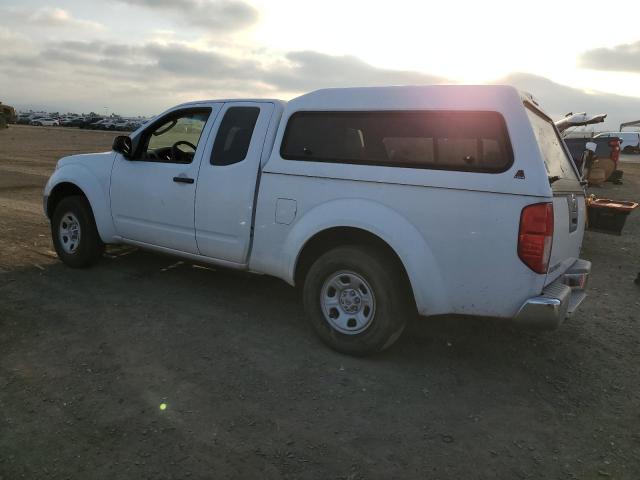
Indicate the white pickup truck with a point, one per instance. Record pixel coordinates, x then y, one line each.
378 202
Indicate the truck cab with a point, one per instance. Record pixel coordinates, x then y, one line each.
191 178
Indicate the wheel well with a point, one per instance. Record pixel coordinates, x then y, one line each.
324 241
60 191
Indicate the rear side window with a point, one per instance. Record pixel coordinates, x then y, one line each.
556 159
467 141
234 135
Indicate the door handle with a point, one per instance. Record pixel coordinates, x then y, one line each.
183 180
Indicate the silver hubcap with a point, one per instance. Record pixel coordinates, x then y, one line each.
348 302
69 232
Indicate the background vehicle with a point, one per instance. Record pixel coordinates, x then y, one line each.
378 202
24 119
45 122
121 125
606 151
89 121
103 124
630 141
74 122
68 121
606 147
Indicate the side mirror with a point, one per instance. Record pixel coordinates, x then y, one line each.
123 145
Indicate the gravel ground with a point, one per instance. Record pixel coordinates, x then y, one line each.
147 367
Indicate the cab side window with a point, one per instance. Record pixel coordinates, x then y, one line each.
175 139
234 135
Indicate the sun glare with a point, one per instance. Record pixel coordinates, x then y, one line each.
462 41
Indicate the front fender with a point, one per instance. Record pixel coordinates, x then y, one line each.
96 191
410 246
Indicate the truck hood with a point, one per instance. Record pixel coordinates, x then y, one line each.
85 158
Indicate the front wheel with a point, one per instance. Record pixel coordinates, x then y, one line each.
357 299
74 233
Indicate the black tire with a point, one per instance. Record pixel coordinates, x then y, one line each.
628 149
392 306
89 248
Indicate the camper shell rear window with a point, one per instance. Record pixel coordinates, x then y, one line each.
556 157
441 140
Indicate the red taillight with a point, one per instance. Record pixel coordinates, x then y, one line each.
536 236
614 143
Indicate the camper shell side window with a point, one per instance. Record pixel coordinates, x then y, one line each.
440 140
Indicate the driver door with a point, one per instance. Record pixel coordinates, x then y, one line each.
153 193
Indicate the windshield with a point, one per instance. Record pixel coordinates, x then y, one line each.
556 160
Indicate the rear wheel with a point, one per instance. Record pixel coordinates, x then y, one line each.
74 233
357 299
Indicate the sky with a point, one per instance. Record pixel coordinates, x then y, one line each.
143 56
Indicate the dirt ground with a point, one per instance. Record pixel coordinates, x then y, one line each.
145 367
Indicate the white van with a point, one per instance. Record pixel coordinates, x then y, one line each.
629 141
378 202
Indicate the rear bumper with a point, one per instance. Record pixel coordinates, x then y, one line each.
558 300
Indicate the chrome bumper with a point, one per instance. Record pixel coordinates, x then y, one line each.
558 300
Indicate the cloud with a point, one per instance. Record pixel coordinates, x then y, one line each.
10 40
130 78
180 60
149 63
214 15
48 17
178 70
307 70
622 58
145 78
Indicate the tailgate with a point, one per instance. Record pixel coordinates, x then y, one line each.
569 209
569 214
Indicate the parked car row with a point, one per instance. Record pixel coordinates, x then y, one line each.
91 121
112 124
39 120
45 122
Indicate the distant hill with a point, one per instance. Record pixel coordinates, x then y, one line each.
557 100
